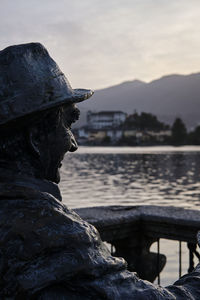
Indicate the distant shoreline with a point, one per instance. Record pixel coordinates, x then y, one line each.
136 149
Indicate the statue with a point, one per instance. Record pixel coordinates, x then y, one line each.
46 250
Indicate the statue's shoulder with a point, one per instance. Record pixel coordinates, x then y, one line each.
43 237
26 211
34 224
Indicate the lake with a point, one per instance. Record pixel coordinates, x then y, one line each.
132 175
95 176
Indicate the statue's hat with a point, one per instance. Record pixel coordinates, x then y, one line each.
31 81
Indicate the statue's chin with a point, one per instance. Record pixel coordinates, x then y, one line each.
52 173
53 176
57 177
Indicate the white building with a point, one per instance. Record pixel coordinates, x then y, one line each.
105 119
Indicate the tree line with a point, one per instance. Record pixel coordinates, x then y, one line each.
179 133
180 136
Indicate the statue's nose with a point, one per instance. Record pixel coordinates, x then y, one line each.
74 145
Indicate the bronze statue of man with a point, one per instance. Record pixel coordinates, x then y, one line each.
46 250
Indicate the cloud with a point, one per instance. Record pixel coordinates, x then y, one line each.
98 43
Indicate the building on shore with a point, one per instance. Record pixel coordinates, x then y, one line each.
105 119
110 127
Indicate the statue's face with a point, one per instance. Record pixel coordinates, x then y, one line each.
60 141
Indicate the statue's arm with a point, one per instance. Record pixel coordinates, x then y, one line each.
106 277
187 287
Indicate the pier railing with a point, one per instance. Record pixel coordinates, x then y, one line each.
131 230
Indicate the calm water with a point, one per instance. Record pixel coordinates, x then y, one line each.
150 175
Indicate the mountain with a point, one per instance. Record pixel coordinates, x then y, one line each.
168 97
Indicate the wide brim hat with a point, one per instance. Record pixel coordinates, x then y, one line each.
31 81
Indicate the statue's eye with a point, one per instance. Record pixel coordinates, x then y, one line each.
75 115
71 115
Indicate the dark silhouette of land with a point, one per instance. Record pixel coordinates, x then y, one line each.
168 97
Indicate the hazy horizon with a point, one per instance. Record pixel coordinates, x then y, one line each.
146 81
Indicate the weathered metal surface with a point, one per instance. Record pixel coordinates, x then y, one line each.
46 250
30 81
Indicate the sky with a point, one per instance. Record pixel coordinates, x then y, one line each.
100 43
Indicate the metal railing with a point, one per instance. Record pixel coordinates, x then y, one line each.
131 230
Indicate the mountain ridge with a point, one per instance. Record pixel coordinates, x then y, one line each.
167 97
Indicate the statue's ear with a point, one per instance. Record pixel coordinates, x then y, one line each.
32 142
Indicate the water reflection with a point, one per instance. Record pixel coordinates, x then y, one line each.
170 178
